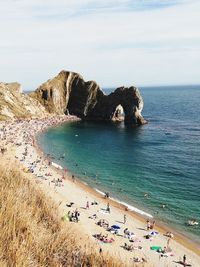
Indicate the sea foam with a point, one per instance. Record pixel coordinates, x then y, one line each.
129 207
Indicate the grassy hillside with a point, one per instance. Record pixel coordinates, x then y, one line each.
32 232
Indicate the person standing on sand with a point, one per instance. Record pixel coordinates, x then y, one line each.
153 225
124 218
87 205
77 214
108 208
106 195
168 240
148 225
184 259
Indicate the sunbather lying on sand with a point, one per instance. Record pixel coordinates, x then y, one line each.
139 259
131 247
103 223
70 204
104 238
94 217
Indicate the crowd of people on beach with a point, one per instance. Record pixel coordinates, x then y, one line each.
73 216
21 134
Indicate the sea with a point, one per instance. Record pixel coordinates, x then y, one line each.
160 160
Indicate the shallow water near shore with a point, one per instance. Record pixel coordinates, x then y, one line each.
161 158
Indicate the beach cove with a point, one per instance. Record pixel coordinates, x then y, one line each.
23 148
153 168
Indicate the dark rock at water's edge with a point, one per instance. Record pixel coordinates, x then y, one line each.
68 93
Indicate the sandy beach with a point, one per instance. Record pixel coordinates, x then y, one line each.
89 211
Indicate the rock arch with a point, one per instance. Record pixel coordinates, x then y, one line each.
128 98
118 114
68 92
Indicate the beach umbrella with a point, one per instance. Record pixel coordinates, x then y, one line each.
117 227
154 233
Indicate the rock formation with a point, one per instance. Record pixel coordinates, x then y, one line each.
69 93
122 100
14 104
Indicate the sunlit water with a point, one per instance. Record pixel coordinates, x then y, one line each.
161 158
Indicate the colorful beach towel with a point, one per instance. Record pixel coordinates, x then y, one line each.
156 248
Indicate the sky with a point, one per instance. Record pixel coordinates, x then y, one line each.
114 42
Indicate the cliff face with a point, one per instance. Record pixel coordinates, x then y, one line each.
14 104
68 93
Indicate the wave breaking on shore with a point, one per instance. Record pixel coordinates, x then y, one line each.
128 206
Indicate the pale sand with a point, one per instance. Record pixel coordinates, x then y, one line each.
19 136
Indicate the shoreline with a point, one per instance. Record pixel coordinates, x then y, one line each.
114 203
180 237
126 207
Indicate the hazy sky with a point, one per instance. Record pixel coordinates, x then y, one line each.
115 42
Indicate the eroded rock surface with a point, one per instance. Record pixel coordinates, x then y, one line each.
69 93
129 99
14 104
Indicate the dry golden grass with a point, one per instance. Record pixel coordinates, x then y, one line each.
32 232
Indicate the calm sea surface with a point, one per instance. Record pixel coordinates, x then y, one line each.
161 158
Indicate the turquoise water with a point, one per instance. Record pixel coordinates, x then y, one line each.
161 158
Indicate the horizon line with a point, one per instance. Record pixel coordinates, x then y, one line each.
139 86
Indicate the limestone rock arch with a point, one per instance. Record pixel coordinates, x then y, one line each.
69 93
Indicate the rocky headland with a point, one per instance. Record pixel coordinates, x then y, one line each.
68 93
14 104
